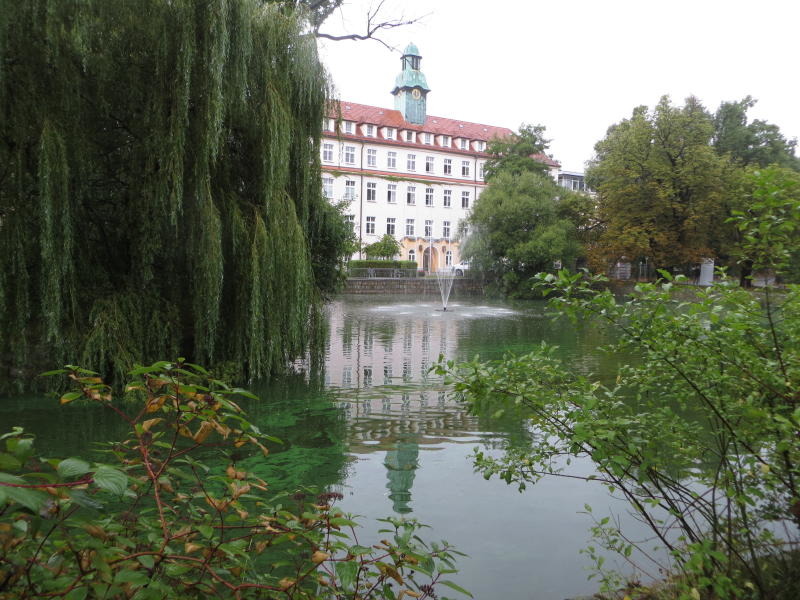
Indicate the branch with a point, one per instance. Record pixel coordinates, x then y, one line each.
373 26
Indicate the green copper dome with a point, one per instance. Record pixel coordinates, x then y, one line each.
411 50
410 79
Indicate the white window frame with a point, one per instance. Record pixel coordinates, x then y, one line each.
349 127
445 141
465 168
428 228
410 227
411 195
464 144
370 130
391 160
350 155
429 196
465 199
447 198
327 152
372 157
390 225
350 189
370 226
327 187
429 138
390 133
448 258
412 255
372 191
446 229
430 164
411 162
448 166
391 193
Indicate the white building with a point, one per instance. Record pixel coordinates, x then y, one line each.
406 173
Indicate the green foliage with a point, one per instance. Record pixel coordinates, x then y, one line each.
386 248
517 154
160 173
700 435
757 144
662 191
521 225
382 264
172 513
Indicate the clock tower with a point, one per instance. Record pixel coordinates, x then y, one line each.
410 88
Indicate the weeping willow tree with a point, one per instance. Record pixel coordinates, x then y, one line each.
159 184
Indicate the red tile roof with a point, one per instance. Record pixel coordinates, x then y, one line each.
386 117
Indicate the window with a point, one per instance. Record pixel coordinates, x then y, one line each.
409 136
327 186
412 256
390 133
464 144
372 157
370 224
411 195
370 130
349 154
428 138
428 228
412 162
446 199
448 258
465 168
481 145
391 160
391 194
327 152
390 225
464 199
372 192
448 166
429 164
446 141
480 170
351 219
428 196
445 229
409 226
349 190
327 124
348 127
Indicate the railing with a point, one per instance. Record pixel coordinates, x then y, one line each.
375 273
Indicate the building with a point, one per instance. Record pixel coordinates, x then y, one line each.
406 173
573 180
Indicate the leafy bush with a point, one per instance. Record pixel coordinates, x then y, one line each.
173 515
383 264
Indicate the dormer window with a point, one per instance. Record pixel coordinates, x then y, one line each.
428 138
409 136
446 141
481 145
464 145
390 133
348 127
327 124
370 130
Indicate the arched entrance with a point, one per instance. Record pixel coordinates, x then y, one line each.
430 260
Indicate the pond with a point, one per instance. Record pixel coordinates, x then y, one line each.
377 427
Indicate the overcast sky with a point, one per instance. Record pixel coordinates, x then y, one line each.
578 66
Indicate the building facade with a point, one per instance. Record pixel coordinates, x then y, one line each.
405 173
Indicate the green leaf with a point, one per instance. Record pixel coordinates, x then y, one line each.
81 498
71 467
77 593
346 572
8 462
455 586
137 578
31 499
111 479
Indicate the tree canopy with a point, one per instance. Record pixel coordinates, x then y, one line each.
159 183
387 247
520 226
663 192
516 154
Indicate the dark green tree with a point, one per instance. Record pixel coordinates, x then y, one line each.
521 225
662 191
387 248
518 153
755 143
159 184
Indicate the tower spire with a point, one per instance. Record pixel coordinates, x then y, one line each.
410 87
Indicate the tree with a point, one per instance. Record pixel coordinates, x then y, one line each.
386 248
517 153
519 228
160 184
757 143
662 191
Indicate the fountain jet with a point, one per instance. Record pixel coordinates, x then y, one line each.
444 277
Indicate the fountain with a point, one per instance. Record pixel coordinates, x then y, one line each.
444 277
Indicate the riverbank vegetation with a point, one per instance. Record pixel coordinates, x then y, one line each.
160 188
699 435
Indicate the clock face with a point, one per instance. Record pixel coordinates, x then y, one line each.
415 94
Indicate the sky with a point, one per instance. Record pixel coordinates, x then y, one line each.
576 66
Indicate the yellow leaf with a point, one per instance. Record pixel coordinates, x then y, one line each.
319 556
286 583
205 430
190 547
149 423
